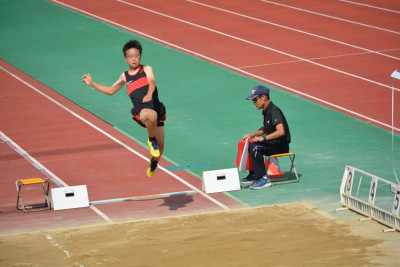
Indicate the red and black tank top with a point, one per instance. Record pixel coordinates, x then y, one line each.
138 86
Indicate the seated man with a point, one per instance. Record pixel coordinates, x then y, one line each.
272 138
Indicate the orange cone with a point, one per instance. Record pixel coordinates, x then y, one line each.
273 168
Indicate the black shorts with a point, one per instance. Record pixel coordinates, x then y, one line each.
161 116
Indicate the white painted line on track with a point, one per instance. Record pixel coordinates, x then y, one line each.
296 92
316 58
257 44
375 7
117 141
101 214
58 181
32 160
331 17
293 29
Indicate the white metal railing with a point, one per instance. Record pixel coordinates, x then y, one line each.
373 200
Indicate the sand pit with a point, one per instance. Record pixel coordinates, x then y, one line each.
283 235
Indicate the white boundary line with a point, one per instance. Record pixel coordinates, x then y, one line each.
331 17
256 44
117 141
39 166
228 66
376 7
292 29
32 160
316 58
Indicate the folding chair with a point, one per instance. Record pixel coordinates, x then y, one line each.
32 181
285 179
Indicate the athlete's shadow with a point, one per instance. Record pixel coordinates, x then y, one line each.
176 202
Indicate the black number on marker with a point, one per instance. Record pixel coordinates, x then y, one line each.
373 190
349 180
396 205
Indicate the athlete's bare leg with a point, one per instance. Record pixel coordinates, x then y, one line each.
149 118
159 133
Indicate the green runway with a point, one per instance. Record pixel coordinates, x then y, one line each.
206 106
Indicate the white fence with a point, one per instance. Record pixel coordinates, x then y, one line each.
375 197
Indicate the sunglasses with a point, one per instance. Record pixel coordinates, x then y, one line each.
256 99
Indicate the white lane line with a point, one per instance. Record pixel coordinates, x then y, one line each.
259 45
119 142
58 181
32 160
331 17
249 74
376 7
101 214
293 29
315 58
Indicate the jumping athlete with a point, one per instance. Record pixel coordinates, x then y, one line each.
147 109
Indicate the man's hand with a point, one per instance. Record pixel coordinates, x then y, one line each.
86 78
246 136
258 138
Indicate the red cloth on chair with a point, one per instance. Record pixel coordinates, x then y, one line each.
249 163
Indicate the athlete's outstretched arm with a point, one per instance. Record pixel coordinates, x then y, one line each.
109 90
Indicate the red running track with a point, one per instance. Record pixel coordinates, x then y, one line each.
336 53
57 136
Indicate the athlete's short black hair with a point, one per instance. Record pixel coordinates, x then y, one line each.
132 44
